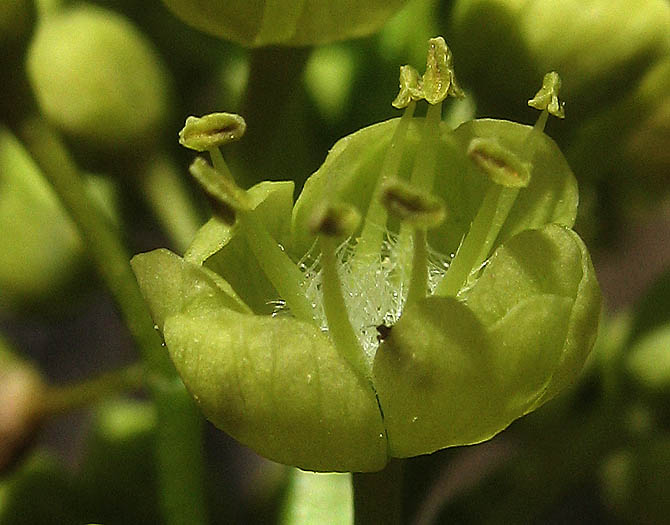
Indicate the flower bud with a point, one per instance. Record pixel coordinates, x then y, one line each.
39 246
97 77
599 47
286 22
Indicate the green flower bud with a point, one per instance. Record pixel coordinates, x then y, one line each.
287 22
488 314
600 47
39 246
97 77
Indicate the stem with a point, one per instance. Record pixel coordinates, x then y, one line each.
272 97
339 324
378 495
112 261
278 267
170 200
64 398
418 284
476 246
371 238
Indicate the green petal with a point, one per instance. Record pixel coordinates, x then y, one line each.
432 381
551 262
552 194
352 169
169 284
222 249
454 373
279 386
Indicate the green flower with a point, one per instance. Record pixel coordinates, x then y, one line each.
424 291
286 22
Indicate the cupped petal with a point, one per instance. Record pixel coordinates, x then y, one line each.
225 249
352 170
458 371
279 386
169 284
353 167
552 195
431 378
551 261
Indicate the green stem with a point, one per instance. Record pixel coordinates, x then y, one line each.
378 495
339 324
112 261
64 398
169 198
477 244
418 284
271 108
278 267
372 235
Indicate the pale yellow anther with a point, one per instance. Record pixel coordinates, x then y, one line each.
547 97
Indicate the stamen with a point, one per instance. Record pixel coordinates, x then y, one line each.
329 220
231 203
420 211
508 175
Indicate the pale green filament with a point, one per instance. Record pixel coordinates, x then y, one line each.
372 235
475 248
339 324
418 284
423 173
422 178
278 267
280 270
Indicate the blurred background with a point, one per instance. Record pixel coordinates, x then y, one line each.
117 79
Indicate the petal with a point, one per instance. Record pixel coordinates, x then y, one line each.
169 284
280 387
225 250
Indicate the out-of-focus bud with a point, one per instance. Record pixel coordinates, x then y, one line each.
97 77
39 246
21 394
599 47
287 22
